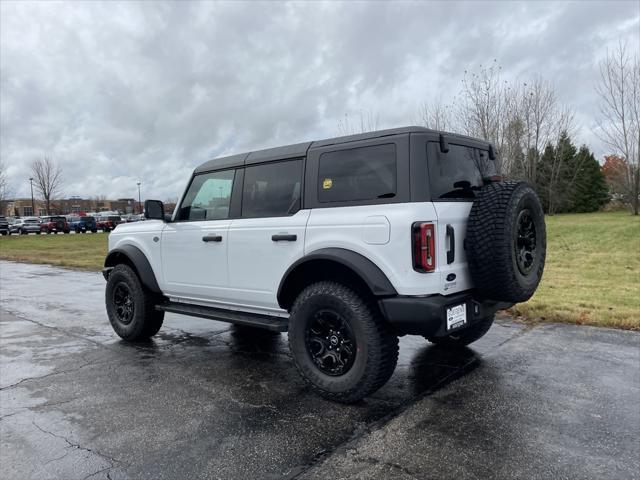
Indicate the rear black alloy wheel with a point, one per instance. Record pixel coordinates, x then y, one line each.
340 343
331 343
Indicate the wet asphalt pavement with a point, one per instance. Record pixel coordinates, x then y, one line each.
205 400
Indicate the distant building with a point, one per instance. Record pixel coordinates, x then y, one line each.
21 207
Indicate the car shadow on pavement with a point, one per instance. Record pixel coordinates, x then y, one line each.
423 368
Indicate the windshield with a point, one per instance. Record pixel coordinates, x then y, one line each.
459 173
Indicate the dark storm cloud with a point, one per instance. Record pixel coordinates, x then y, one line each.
118 92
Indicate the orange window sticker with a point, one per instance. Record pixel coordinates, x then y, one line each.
327 183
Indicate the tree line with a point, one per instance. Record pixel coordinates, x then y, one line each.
531 131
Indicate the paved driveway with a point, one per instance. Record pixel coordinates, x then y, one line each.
204 400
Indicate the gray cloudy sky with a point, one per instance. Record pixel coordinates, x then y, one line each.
117 92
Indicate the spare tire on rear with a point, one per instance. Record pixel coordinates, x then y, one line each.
506 241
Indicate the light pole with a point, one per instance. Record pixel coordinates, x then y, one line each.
33 206
139 203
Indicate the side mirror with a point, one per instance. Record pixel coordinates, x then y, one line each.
153 210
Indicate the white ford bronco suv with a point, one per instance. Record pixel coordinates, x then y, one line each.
345 243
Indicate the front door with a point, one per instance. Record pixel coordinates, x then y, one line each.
195 244
269 236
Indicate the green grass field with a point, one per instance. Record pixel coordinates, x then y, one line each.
592 275
82 251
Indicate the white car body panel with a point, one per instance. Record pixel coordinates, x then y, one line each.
244 270
141 235
347 227
257 263
455 214
192 267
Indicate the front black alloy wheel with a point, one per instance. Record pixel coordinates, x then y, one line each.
130 306
123 303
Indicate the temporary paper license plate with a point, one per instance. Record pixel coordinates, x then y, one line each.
456 316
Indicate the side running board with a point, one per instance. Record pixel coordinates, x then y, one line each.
268 322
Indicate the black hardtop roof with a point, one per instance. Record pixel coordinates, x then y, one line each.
300 149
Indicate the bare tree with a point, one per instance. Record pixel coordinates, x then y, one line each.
619 127
48 180
437 116
4 188
481 112
366 122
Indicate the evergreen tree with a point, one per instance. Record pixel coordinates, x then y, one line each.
544 173
590 191
556 174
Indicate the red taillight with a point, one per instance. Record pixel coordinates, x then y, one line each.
424 247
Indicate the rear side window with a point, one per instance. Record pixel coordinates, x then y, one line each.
272 189
208 197
362 173
459 173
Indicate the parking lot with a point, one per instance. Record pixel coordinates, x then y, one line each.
205 400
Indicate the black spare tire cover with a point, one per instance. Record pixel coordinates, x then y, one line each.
506 241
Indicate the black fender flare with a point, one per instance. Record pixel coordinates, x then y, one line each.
137 258
368 271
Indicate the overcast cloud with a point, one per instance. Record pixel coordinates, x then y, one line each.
117 92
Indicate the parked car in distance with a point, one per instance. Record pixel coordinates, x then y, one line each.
82 224
108 223
131 217
14 225
54 224
4 226
27 225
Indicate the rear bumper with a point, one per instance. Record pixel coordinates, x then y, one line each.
428 315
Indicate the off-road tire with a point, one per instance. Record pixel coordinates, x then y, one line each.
377 345
492 237
466 336
146 320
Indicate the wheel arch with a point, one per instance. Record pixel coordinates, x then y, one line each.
136 259
349 267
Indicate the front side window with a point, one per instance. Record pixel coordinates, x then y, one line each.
363 173
272 189
208 197
459 173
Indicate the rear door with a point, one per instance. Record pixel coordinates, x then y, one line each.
455 178
270 234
